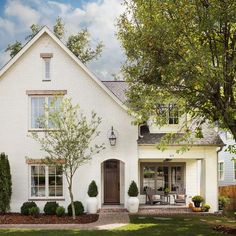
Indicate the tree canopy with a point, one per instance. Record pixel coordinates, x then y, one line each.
79 44
181 50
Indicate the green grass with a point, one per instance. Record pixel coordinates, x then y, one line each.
148 226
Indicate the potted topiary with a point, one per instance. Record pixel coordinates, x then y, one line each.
205 207
133 201
92 202
197 200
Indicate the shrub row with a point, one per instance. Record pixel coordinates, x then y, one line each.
51 208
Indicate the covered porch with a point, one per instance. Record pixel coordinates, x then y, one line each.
170 174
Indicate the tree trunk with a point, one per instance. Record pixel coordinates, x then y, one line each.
72 200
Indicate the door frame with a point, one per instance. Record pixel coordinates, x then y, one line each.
105 187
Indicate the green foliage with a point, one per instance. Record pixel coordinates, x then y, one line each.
93 189
80 45
60 211
133 190
166 190
14 48
5 184
59 28
34 211
50 208
197 198
35 28
183 51
79 208
223 202
205 207
26 206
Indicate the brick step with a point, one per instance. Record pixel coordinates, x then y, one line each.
164 210
112 210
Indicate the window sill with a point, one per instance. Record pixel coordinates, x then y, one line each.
47 199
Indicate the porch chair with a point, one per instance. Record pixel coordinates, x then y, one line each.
151 197
180 198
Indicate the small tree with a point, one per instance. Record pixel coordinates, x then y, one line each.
67 140
5 184
93 189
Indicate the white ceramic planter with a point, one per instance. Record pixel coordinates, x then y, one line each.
92 205
133 204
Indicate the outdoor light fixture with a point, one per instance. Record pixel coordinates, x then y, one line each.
112 137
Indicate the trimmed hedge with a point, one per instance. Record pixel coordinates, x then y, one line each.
26 207
50 208
93 189
79 208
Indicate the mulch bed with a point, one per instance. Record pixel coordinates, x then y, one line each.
225 229
16 218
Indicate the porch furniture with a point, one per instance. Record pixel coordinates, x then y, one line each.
151 197
165 199
180 198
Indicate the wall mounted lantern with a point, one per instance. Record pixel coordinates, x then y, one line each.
112 137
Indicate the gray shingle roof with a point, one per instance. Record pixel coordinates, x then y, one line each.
210 138
118 88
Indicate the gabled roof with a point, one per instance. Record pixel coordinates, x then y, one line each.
46 30
118 88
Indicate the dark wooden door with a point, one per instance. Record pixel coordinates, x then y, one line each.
112 182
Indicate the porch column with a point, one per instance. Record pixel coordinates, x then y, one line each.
211 184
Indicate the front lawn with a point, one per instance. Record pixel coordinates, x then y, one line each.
144 225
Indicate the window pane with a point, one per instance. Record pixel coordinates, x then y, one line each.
177 179
149 177
55 181
54 105
173 114
38 181
37 111
47 68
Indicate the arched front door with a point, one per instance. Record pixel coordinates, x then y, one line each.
112 182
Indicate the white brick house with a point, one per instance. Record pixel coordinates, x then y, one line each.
45 67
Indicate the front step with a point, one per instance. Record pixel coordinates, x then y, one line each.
163 210
112 209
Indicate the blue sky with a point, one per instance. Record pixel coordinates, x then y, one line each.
99 16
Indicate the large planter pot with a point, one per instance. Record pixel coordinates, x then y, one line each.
197 204
133 204
92 205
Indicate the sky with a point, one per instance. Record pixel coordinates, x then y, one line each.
98 16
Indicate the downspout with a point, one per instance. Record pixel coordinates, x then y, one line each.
219 150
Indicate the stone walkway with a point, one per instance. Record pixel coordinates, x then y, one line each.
106 221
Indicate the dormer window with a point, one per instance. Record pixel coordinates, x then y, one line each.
46 65
169 112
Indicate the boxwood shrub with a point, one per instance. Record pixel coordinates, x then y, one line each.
50 208
26 206
79 208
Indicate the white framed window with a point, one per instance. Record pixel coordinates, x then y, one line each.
221 170
47 74
47 69
45 181
37 110
169 112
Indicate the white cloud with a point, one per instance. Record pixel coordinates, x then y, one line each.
99 17
25 14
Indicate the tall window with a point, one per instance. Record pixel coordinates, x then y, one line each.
46 66
47 69
38 104
160 176
46 181
221 170
169 112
